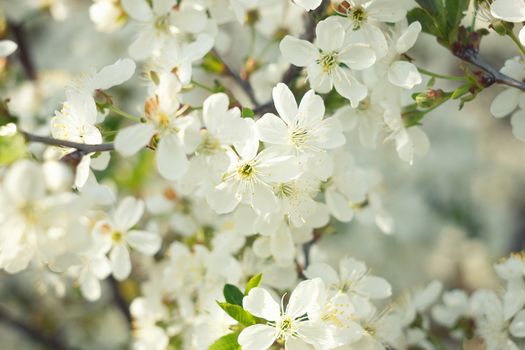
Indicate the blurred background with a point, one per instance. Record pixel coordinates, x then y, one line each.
456 211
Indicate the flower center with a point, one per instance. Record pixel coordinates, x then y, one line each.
370 330
358 17
209 144
364 104
285 190
299 137
162 23
328 61
116 236
285 328
246 171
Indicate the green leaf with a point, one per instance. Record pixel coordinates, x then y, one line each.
232 294
454 11
238 314
247 113
253 282
433 7
227 342
460 91
428 23
12 148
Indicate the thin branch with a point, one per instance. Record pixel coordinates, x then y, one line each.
121 304
24 54
48 342
244 84
493 75
82 147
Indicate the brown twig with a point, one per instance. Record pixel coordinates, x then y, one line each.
24 54
492 74
121 304
244 84
82 147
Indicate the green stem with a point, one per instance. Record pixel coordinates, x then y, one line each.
120 112
516 41
440 76
202 86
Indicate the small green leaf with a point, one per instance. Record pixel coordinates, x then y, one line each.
428 23
454 11
227 342
232 294
433 7
12 148
238 313
460 91
253 282
247 113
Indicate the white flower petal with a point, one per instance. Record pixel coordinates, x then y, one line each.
303 296
408 39
172 162
404 74
263 198
161 7
133 138
120 262
7 47
24 182
138 9
517 326
82 172
147 243
330 34
358 57
386 11
349 87
311 109
508 10
323 271
319 80
308 5
223 198
114 74
143 45
90 288
272 129
298 52
260 303
282 247
277 168
374 287
128 213
339 206
189 20
257 337
518 124
285 103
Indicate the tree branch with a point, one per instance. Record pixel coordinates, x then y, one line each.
48 342
82 147
493 75
23 50
121 304
244 84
